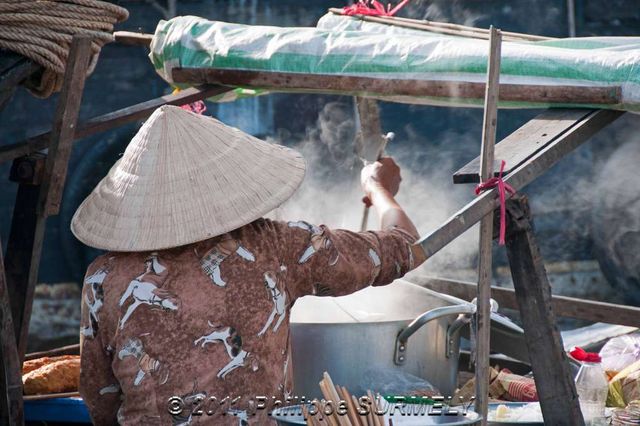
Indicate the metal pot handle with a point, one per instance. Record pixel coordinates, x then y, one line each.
433 314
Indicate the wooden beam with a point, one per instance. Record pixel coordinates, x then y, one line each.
22 235
549 362
64 350
483 315
64 126
522 144
112 120
133 39
482 205
371 86
563 306
11 406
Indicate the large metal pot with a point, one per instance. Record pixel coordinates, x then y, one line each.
377 335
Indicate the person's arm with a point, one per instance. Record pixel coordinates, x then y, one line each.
380 183
330 262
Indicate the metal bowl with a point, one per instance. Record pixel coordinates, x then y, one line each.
292 415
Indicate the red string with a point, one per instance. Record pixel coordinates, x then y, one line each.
503 187
372 8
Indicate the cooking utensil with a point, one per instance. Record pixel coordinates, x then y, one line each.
355 338
370 143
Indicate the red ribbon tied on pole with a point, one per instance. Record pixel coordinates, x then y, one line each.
503 188
372 8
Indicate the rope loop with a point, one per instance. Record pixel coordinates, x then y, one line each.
42 31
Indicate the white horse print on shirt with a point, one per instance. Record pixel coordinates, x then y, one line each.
212 260
143 291
318 241
94 304
377 265
146 364
233 345
279 299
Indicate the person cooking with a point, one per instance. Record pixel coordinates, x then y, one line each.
191 301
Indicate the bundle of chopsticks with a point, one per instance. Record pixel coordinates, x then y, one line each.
336 394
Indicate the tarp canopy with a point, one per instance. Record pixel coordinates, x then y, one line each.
348 46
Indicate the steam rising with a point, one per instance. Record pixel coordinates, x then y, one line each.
331 192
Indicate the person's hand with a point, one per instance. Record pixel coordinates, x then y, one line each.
383 175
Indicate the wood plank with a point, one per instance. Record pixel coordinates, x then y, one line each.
52 396
20 248
563 306
112 120
483 315
133 39
443 27
371 86
482 205
11 407
65 350
554 381
522 144
64 126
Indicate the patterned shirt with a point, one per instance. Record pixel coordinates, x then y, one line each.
210 319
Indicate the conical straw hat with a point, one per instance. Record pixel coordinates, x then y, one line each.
185 178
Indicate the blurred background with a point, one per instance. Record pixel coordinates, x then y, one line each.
586 209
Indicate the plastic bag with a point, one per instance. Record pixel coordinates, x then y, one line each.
624 387
620 352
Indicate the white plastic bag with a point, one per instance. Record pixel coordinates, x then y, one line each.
620 352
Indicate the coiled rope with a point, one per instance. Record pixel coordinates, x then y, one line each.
42 30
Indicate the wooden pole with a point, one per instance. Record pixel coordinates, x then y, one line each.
64 126
483 315
27 172
554 381
11 406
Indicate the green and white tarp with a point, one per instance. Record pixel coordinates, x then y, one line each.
341 45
